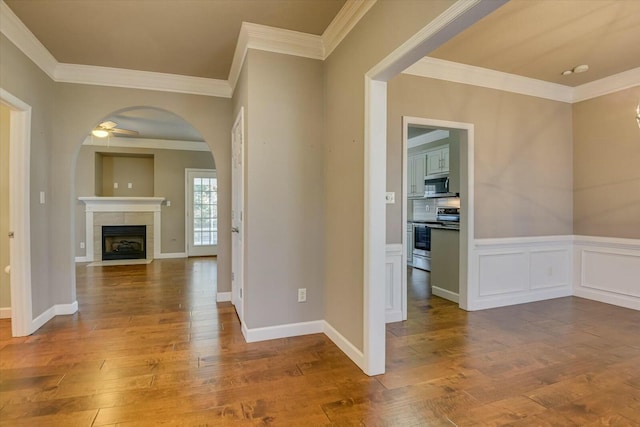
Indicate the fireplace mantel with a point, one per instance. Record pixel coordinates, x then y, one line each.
122 204
130 207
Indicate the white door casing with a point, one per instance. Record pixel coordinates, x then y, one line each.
237 214
19 214
201 215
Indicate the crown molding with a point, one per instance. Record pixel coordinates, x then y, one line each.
133 79
270 39
13 28
607 85
347 18
277 40
158 144
461 73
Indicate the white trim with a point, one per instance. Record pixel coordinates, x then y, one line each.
5 312
310 46
393 282
345 345
146 80
15 30
606 270
223 297
375 158
19 212
466 201
272 39
158 144
607 85
56 310
446 294
283 331
467 74
516 270
82 259
347 18
170 255
122 204
455 19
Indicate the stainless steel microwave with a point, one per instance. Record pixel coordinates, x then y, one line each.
437 186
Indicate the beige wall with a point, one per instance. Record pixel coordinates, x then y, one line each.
167 178
124 170
20 77
284 189
607 166
385 27
5 282
523 154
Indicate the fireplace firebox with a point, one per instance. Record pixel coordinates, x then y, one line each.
124 242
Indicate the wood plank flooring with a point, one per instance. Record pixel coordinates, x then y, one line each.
149 346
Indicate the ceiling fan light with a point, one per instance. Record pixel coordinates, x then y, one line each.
100 133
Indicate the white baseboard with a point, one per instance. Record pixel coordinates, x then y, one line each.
82 259
56 310
345 345
170 255
223 296
5 312
607 270
282 331
443 293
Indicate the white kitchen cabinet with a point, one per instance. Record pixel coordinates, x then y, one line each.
438 160
416 165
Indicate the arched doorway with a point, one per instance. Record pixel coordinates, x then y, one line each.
136 172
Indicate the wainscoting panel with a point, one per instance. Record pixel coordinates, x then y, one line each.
519 270
393 283
608 270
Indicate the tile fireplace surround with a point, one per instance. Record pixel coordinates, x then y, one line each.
121 211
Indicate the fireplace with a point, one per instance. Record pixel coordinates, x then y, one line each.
124 242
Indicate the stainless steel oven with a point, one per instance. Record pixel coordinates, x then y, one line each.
422 246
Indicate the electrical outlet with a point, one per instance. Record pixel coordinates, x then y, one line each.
390 197
115 185
81 245
168 203
129 185
302 295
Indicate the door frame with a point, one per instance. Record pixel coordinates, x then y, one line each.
237 249
466 201
19 213
187 208
461 15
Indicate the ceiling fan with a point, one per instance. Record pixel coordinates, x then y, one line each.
107 128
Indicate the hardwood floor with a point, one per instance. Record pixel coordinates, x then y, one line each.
150 346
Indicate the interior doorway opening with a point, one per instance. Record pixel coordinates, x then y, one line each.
427 139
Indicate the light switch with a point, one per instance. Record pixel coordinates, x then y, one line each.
168 203
390 197
42 197
115 185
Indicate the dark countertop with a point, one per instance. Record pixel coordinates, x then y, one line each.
438 224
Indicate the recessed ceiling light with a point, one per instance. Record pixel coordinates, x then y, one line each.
581 68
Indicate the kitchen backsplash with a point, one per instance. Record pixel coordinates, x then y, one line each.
425 209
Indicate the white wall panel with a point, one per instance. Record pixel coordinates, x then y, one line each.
393 283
